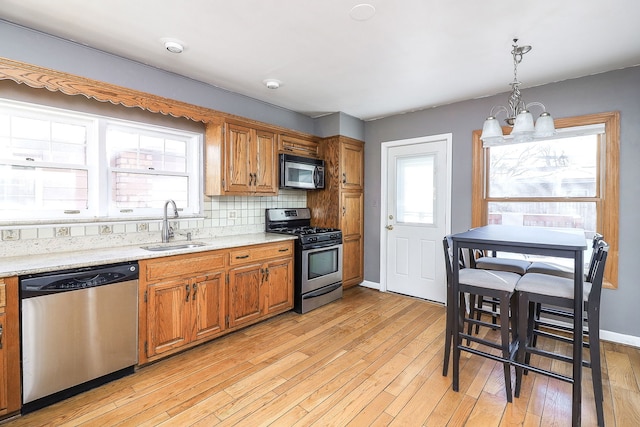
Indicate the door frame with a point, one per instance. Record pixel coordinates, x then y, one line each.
384 154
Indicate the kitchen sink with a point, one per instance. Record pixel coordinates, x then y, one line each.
172 246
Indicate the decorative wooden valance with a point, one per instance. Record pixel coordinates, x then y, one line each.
57 81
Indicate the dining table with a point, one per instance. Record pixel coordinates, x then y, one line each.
554 242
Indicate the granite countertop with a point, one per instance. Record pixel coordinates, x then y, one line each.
40 263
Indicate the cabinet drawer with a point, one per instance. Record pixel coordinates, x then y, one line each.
181 265
258 253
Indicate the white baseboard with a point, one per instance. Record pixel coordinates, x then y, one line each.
372 285
604 335
620 338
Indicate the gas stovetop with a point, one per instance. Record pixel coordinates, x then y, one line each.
298 222
304 230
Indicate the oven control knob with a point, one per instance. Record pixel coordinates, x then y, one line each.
313 239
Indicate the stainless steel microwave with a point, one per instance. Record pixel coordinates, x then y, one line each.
301 172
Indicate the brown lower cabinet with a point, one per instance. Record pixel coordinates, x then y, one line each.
188 299
9 347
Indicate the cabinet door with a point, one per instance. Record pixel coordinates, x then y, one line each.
279 286
352 256
352 165
168 316
10 396
245 294
3 364
352 212
238 158
307 147
265 178
207 305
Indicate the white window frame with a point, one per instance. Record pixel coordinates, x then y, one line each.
100 207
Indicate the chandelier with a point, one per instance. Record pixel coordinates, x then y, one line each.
518 115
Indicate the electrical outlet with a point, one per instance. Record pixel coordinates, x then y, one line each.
10 234
231 214
106 229
63 231
143 226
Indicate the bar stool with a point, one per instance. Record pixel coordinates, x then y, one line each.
449 321
560 271
492 262
537 288
492 284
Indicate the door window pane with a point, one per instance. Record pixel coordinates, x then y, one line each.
415 189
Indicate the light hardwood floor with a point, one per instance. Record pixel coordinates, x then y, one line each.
371 359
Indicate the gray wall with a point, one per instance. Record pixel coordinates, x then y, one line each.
616 90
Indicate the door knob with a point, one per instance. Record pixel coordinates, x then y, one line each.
389 227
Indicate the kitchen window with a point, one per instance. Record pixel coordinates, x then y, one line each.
59 165
570 181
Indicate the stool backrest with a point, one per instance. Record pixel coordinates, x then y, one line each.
596 272
597 238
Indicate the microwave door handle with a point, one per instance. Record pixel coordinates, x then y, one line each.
316 176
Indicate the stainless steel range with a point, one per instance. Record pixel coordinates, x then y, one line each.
318 257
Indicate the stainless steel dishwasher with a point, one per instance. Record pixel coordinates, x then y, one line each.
79 330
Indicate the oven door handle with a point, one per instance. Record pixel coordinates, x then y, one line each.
327 245
322 291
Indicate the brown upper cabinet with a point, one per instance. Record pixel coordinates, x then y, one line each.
240 160
341 203
351 165
298 145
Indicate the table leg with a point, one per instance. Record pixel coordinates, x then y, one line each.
456 315
578 304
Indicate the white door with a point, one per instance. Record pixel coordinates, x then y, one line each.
416 216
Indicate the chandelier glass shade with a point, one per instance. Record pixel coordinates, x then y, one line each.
518 114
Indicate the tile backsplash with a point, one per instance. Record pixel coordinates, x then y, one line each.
223 216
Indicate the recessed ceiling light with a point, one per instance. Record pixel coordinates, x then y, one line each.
362 12
173 46
272 83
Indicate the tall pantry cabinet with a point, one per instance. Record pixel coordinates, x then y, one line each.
341 203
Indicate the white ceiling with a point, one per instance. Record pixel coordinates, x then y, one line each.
411 55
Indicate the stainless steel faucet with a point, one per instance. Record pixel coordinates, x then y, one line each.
167 231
